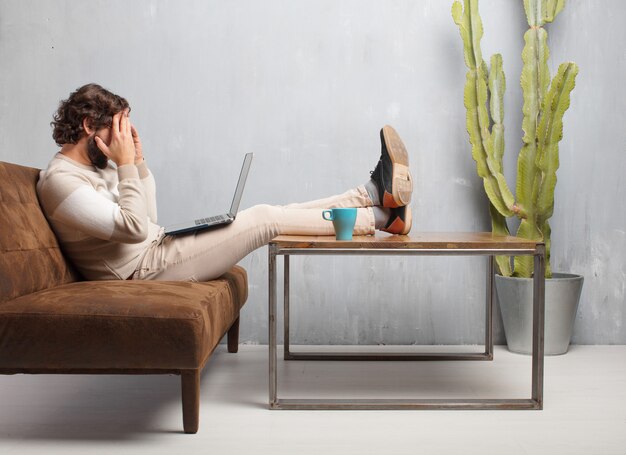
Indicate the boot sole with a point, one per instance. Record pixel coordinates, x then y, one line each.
408 222
402 182
398 227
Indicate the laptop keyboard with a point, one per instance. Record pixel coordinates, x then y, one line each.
210 219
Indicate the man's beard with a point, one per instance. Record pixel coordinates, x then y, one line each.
95 155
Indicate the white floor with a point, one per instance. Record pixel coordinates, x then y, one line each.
584 412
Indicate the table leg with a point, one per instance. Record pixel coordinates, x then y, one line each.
286 351
538 324
490 292
273 382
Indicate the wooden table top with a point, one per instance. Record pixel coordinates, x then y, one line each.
416 240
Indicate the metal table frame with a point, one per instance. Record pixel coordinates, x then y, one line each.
534 402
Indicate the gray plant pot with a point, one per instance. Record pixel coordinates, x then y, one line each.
515 296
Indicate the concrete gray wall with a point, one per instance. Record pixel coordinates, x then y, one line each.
307 85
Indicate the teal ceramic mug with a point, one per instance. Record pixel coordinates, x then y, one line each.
343 221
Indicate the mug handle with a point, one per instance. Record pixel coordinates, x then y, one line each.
330 215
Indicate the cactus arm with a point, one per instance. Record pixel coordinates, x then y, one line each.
499 226
523 265
534 81
475 89
497 87
503 264
475 101
538 12
547 231
533 12
553 8
475 95
495 151
550 133
460 18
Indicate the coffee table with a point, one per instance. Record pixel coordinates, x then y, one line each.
417 244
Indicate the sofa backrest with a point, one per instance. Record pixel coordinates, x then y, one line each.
30 257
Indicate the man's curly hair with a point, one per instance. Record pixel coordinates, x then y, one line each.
91 101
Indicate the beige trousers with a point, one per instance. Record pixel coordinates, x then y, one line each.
206 255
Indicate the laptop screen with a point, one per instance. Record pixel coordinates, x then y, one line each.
234 207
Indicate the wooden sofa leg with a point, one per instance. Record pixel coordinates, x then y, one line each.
190 385
233 336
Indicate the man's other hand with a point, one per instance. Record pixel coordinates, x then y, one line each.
137 142
121 149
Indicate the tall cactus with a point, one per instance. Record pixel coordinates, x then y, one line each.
545 104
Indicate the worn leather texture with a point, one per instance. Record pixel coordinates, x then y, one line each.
118 324
30 257
50 319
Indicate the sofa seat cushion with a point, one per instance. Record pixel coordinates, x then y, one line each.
120 324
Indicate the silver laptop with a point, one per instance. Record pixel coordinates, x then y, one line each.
218 220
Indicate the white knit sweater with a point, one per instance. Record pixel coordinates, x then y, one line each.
104 218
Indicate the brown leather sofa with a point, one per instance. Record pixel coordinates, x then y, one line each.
52 321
